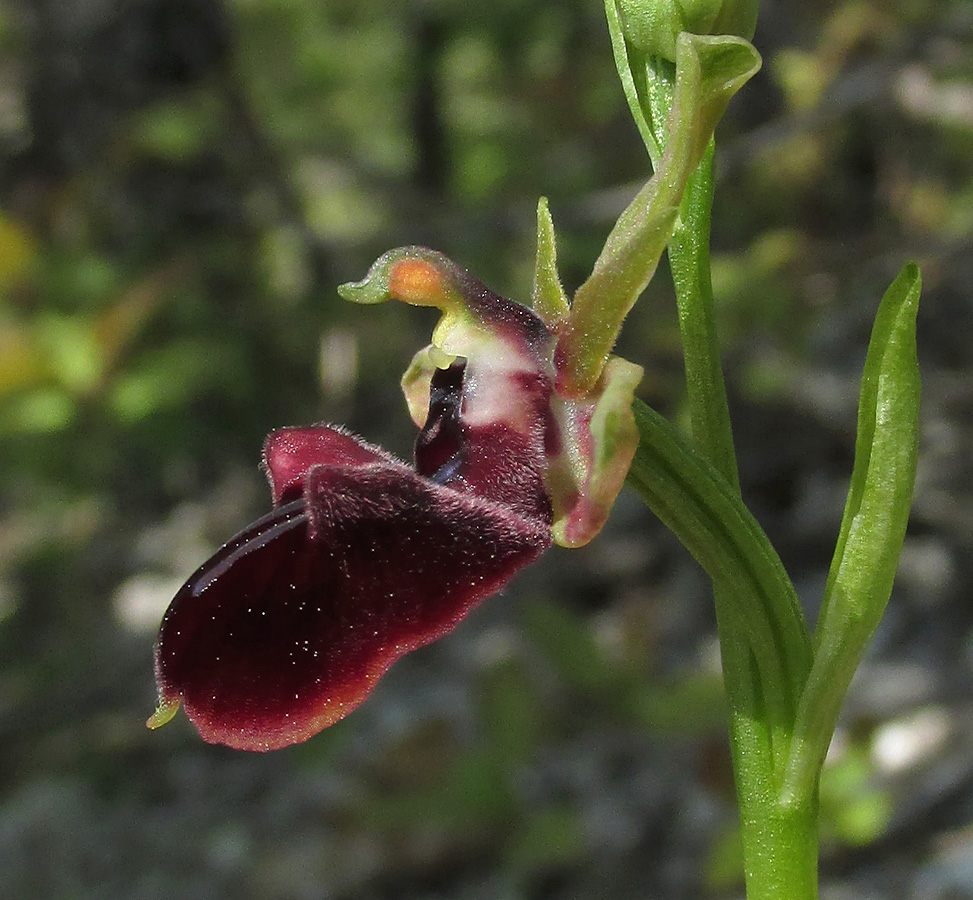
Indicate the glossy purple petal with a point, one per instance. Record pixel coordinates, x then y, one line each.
290 625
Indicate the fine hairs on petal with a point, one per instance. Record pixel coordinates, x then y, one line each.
289 626
294 634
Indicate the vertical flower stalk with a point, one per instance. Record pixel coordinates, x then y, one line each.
783 691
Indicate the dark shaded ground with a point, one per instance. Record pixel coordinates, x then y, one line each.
181 187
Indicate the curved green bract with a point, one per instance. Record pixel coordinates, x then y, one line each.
872 528
711 521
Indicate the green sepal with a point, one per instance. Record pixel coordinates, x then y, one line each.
548 297
599 438
709 71
873 526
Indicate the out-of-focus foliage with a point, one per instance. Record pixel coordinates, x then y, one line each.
183 182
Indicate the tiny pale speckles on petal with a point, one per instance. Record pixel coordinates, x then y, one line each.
291 624
236 673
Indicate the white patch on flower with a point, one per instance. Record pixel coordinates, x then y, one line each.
495 393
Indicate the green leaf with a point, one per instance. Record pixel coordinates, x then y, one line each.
711 521
872 528
886 448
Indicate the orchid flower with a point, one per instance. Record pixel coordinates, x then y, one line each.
289 625
526 434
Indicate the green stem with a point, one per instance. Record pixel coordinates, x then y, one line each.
710 520
690 266
780 847
780 844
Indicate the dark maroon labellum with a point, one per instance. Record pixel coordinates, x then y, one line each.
290 625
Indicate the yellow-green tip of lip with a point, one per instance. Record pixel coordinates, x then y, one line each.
163 713
367 291
374 287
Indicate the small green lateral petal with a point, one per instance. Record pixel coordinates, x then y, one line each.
600 439
418 377
549 299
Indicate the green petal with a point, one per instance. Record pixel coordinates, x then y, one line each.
549 299
417 378
599 441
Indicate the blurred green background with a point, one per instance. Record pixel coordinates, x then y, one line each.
184 182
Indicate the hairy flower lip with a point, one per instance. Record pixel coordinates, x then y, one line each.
289 626
289 452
